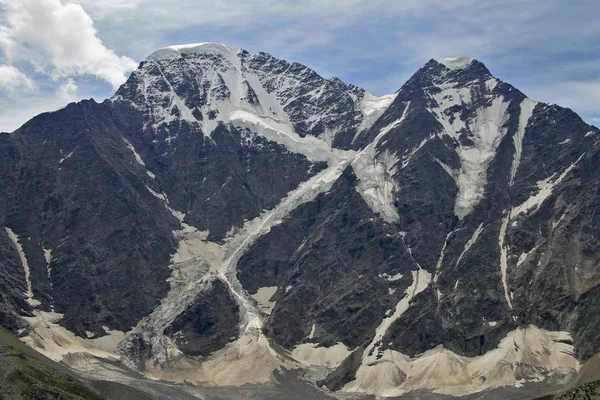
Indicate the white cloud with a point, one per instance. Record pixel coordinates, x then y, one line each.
60 40
67 91
12 80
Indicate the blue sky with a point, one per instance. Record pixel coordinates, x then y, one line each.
55 51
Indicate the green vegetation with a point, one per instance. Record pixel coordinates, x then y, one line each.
589 391
27 374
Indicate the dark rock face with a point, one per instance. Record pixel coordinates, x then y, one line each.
232 179
209 324
79 193
329 258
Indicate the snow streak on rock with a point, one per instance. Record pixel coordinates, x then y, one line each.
381 368
527 107
17 245
504 259
471 242
545 188
138 158
48 258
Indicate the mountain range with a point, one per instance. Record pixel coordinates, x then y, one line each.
228 217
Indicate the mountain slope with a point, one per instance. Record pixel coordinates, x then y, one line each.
25 374
232 211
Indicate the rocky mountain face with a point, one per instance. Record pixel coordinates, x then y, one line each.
227 215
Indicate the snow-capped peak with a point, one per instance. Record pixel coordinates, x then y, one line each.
205 83
198 48
456 62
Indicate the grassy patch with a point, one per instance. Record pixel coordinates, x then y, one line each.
589 391
33 376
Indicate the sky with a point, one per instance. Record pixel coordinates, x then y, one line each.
53 52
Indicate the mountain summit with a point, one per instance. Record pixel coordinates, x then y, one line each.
229 215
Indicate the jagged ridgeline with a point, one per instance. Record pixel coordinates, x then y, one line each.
229 217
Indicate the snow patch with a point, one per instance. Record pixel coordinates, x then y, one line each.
438 266
408 157
163 197
556 223
311 335
391 278
455 63
175 51
66 157
47 255
523 256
